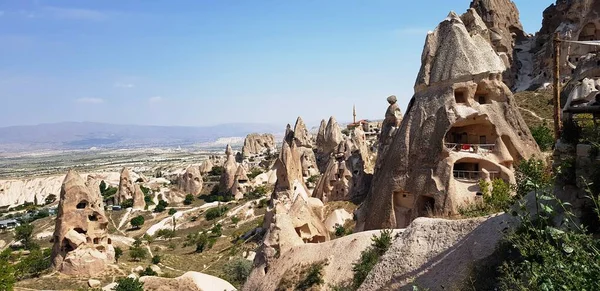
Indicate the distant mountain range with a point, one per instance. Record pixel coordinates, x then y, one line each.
86 135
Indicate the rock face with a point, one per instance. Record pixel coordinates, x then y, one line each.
502 20
190 182
304 143
240 186
16 192
258 144
436 254
126 187
229 169
293 218
138 198
577 20
461 125
81 242
328 139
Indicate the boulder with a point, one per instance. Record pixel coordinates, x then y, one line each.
461 121
258 144
81 243
92 283
393 118
110 287
191 181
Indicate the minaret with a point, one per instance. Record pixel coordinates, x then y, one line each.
354 113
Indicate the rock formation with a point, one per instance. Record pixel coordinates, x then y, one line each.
138 198
81 242
191 182
304 143
230 167
206 167
501 18
288 167
461 125
393 118
346 177
126 187
190 281
258 144
328 139
241 183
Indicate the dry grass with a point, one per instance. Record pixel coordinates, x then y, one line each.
537 101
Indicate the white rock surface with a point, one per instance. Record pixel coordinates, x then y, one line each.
339 216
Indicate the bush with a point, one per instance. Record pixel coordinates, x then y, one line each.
33 264
215 213
172 211
255 172
313 179
263 203
258 192
129 284
128 203
7 275
237 271
145 190
23 233
216 230
341 231
118 253
189 199
148 272
216 171
543 136
156 259
370 256
314 277
162 205
137 221
532 170
165 233
136 251
235 219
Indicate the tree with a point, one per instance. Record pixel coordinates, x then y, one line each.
137 221
148 272
189 199
102 187
156 259
33 264
23 233
129 284
127 203
162 205
118 253
136 251
543 136
237 270
172 211
7 275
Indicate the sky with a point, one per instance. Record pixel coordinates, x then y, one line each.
207 62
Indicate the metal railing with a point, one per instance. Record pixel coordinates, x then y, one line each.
473 175
477 148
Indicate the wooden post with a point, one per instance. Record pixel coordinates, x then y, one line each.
556 85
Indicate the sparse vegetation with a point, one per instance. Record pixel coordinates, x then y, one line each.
162 205
216 171
305 277
128 203
543 136
369 257
137 252
237 271
148 272
216 212
23 234
118 253
156 259
172 211
341 230
129 284
255 172
165 233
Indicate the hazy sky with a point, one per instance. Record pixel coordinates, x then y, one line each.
193 62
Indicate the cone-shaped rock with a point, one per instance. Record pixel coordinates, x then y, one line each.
331 137
206 167
229 169
454 132
257 144
126 187
191 182
81 243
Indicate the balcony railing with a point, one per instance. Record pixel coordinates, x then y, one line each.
473 175
476 148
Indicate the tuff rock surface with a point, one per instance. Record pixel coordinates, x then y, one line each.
81 243
258 144
461 125
191 181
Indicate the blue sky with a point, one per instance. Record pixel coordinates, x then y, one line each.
192 62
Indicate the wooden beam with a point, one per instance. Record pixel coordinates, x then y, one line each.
556 86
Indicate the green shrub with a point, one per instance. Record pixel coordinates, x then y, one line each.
165 233
217 230
148 272
235 219
7 275
314 277
118 253
129 284
216 171
137 221
215 213
313 179
33 264
136 251
189 199
162 205
370 256
156 259
23 233
128 203
341 231
255 172
172 211
533 170
543 136
237 271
